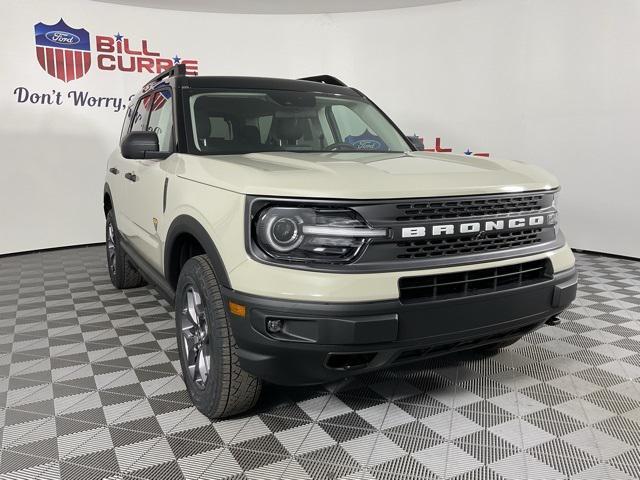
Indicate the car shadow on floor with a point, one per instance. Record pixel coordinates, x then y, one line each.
379 384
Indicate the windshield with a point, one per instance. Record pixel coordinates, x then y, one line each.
227 122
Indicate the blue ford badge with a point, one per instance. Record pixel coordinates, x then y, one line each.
367 145
62 38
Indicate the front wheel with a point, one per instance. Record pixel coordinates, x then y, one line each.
210 365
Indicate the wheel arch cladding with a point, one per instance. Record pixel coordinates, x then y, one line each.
107 199
184 230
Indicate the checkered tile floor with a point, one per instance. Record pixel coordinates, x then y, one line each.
89 388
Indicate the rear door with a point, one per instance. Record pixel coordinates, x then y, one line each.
116 169
147 193
126 225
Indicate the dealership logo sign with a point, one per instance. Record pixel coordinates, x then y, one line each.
65 53
62 38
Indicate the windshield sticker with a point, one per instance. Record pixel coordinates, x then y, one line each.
367 141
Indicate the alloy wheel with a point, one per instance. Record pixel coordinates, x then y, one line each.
195 337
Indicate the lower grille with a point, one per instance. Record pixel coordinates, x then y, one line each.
465 245
464 284
442 349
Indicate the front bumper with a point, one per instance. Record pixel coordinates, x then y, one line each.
262 280
323 342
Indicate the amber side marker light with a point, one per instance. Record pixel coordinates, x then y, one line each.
237 309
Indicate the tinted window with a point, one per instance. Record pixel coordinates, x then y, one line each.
354 130
220 128
276 120
140 117
161 119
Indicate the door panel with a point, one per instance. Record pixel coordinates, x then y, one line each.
146 207
116 169
126 224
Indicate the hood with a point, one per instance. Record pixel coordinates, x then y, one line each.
361 175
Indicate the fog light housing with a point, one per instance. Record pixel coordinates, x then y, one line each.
274 326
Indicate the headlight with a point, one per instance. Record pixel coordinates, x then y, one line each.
280 233
312 234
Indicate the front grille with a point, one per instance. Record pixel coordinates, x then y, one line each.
433 249
468 245
474 282
464 207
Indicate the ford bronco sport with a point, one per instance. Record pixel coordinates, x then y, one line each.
304 239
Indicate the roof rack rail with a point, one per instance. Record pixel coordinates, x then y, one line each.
328 79
178 70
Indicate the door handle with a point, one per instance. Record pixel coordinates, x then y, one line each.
114 170
131 176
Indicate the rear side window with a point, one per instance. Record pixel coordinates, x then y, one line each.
139 123
161 120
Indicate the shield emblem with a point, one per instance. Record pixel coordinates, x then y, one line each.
63 52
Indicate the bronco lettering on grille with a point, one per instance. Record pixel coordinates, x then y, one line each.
473 227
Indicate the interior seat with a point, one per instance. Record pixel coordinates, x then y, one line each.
287 131
248 135
203 131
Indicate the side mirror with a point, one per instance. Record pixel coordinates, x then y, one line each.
140 145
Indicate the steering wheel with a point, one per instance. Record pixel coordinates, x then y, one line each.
339 146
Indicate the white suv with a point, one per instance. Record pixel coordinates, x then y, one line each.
304 239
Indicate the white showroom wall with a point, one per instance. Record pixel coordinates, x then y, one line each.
55 155
552 82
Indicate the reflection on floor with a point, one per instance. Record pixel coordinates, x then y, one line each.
89 388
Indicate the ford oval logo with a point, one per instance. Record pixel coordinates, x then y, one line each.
367 145
62 38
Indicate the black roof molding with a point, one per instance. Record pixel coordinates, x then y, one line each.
328 79
178 70
264 83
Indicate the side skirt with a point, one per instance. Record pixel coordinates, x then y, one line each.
148 272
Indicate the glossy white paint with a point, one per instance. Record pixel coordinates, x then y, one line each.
362 176
212 190
302 285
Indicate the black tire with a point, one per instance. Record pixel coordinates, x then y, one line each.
220 388
122 271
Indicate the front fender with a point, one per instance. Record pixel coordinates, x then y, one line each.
189 225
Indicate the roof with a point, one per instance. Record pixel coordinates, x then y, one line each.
265 83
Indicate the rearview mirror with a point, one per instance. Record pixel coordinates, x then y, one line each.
140 145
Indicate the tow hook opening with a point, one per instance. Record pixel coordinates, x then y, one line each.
553 320
349 361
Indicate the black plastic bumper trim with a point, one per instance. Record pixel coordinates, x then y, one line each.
565 293
391 330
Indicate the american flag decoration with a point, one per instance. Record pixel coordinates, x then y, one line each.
159 99
63 52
